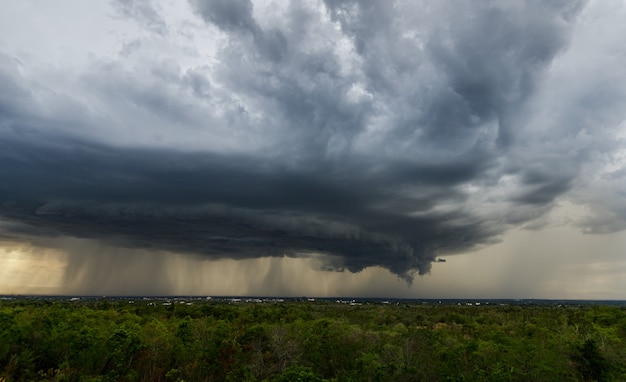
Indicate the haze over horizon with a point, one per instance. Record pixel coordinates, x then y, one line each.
320 148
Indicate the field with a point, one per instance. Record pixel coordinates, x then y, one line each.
301 340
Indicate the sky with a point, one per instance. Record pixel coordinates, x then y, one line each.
313 148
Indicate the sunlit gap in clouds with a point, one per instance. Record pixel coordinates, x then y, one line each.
30 270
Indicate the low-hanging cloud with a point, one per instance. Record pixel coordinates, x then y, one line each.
378 133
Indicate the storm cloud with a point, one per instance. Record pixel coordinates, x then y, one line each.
369 133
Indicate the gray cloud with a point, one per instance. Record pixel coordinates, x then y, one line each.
380 133
228 15
143 12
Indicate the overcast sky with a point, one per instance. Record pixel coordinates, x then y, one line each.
313 148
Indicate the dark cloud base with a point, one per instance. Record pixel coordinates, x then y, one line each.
220 206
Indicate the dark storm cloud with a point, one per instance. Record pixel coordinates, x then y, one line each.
223 206
380 133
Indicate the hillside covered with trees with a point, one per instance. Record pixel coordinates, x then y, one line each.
159 340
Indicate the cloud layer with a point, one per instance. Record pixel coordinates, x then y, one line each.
376 133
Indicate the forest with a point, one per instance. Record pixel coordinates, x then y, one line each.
199 340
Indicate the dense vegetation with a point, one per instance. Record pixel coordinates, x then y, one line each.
104 340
